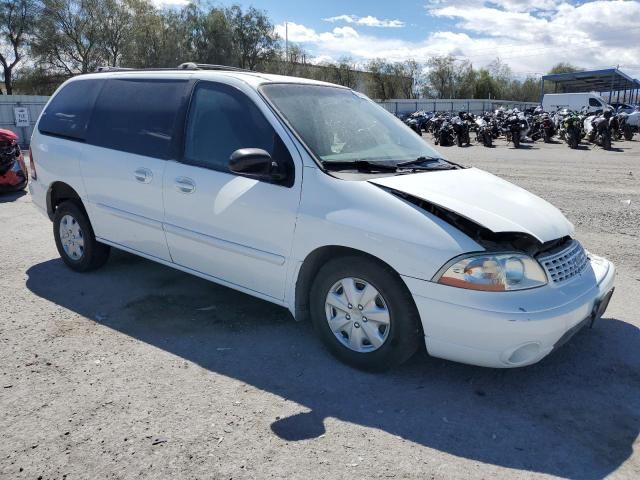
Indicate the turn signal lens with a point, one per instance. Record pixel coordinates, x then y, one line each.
493 272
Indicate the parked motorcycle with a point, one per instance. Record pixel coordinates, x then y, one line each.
571 130
484 131
516 127
413 124
461 129
598 129
542 127
445 135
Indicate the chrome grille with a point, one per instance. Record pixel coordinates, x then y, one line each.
565 264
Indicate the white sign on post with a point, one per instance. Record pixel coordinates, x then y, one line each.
21 115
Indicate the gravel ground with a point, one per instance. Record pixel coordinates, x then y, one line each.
140 371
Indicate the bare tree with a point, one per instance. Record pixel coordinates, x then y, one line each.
17 18
115 18
69 35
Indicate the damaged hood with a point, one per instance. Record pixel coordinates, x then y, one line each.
485 199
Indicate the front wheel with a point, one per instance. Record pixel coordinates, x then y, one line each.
516 139
75 240
627 132
364 314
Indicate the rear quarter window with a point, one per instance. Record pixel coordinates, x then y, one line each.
69 111
138 116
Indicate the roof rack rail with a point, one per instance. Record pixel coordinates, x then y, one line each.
112 69
182 66
208 66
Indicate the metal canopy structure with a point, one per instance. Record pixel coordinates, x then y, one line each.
618 85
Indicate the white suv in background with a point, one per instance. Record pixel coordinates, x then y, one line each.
311 196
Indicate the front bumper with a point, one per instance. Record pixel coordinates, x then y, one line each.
508 329
13 180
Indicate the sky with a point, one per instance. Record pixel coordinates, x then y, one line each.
530 36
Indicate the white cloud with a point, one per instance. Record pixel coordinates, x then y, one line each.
300 33
170 3
531 36
593 34
368 21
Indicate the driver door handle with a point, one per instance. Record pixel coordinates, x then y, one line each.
185 185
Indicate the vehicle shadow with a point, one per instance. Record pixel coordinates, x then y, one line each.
6 197
574 415
582 146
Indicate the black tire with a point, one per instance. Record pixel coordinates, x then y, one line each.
572 139
516 139
459 140
628 133
94 254
405 333
487 141
606 140
546 135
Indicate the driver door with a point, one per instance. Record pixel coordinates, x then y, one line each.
235 229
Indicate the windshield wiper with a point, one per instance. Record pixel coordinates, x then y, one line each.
360 165
420 161
428 163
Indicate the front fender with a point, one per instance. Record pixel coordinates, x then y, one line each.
359 215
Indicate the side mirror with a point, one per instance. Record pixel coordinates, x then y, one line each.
255 163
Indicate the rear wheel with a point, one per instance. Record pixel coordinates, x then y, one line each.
75 240
606 140
628 133
364 314
516 139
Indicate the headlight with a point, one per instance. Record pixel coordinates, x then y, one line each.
497 272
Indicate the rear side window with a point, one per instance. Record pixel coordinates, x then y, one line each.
594 103
138 116
68 113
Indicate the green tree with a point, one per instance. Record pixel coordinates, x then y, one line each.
563 67
254 36
441 75
485 85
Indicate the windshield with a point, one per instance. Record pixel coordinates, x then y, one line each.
339 125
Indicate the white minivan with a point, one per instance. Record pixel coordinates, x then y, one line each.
311 196
589 101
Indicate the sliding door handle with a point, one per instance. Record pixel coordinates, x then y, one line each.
143 175
185 185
